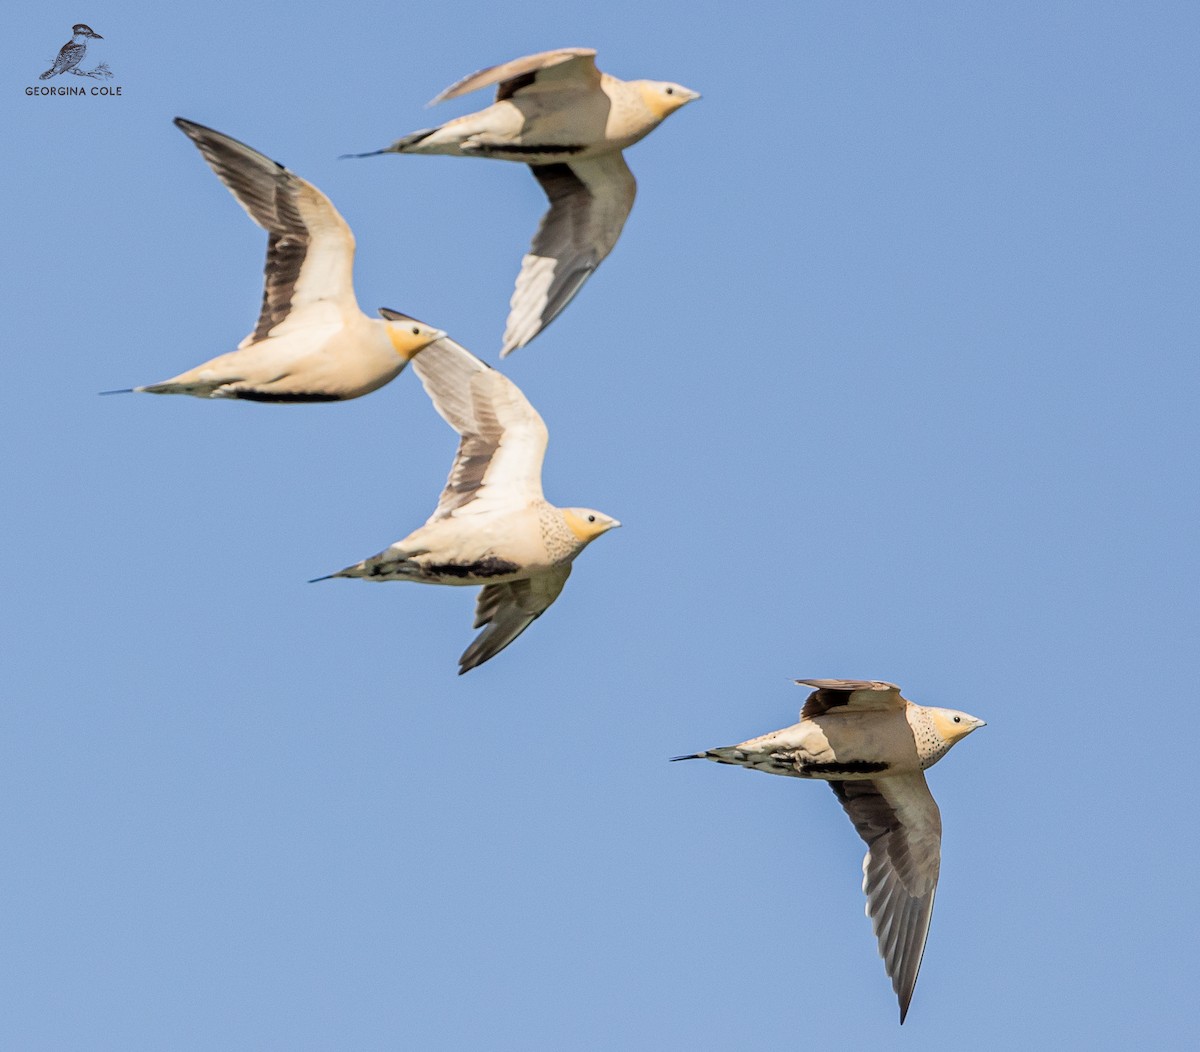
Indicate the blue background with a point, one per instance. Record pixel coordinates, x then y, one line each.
891 375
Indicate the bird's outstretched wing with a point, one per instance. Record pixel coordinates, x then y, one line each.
563 67
857 694
499 460
310 249
590 199
899 820
504 611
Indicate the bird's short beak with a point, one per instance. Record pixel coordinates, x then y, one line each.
438 334
97 36
615 524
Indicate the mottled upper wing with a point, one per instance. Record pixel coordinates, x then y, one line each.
899 820
858 694
568 66
310 249
590 200
499 460
69 56
507 610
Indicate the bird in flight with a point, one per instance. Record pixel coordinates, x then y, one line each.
312 343
872 746
72 52
556 112
492 525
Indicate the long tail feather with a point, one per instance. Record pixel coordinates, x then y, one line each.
398 146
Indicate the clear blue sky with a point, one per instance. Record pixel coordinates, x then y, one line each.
892 375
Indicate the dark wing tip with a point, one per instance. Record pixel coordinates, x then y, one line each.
689 756
470 658
211 142
193 130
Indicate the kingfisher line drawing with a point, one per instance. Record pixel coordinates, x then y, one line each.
72 52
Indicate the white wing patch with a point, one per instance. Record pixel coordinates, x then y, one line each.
308 276
590 200
499 459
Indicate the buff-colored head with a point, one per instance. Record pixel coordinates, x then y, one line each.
587 524
953 725
409 336
662 98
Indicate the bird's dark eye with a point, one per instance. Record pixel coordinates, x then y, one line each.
416 331
958 719
670 91
591 518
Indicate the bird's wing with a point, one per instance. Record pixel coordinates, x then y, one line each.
69 56
564 67
590 200
310 249
899 820
499 460
859 695
507 610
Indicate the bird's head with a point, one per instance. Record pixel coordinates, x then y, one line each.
953 725
79 29
408 336
663 98
587 524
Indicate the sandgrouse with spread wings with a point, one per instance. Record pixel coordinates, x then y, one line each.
872 746
312 343
492 526
556 112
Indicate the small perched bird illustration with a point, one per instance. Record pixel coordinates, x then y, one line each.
72 52
569 122
311 343
492 526
871 746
